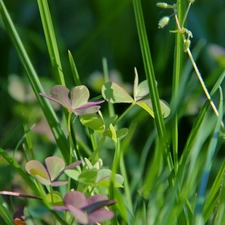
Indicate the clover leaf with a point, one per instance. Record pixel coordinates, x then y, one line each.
48 174
95 175
87 210
78 103
106 127
113 93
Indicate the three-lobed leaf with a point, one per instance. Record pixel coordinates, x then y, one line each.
55 167
113 93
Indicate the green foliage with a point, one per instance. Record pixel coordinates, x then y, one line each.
121 164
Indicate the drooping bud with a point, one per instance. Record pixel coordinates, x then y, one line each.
163 22
165 5
187 44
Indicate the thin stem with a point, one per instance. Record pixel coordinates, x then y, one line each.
92 137
70 145
194 64
203 85
70 138
92 158
186 13
124 113
106 79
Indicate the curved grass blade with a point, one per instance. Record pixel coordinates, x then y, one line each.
74 69
177 69
51 40
35 83
199 219
5 213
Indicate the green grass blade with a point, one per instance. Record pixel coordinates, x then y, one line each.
74 69
213 197
35 83
177 70
149 70
207 168
51 40
5 214
198 121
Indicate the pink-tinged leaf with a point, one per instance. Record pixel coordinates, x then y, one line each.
60 208
100 216
113 93
55 167
71 166
80 96
96 198
43 180
86 109
60 95
58 183
35 168
79 215
76 199
95 206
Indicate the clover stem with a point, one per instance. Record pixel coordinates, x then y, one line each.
69 136
124 113
106 79
92 137
92 158
70 144
52 203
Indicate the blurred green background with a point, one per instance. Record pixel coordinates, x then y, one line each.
91 30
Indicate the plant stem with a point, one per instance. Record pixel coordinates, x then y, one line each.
124 113
203 84
106 79
70 144
194 64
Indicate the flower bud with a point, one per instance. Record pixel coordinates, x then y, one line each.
163 22
187 44
162 5
165 5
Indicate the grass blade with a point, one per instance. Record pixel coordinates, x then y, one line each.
208 164
149 70
74 69
177 70
51 40
4 213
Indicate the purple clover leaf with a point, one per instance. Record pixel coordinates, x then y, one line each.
49 174
87 210
78 101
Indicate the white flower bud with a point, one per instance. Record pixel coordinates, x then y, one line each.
163 22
